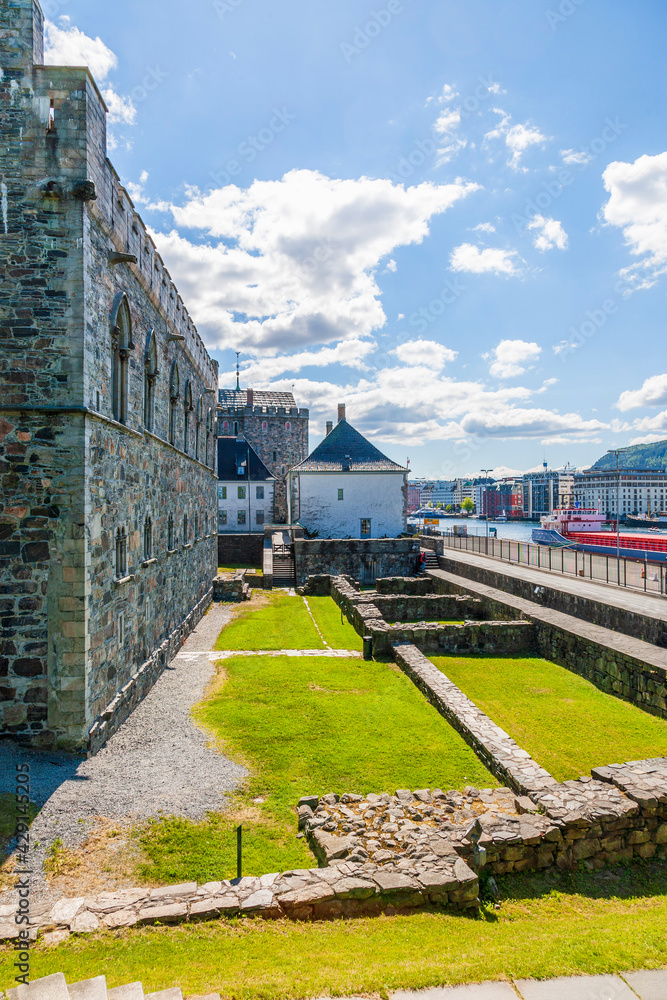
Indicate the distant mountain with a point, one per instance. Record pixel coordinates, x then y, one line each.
637 456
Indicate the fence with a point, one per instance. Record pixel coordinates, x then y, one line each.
637 574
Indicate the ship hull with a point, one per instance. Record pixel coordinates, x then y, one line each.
554 539
645 522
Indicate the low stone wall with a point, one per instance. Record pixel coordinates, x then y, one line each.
342 889
140 683
645 627
363 610
404 585
469 638
363 559
240 549
317 586
497 751
617 814
427 607
629 668
231 587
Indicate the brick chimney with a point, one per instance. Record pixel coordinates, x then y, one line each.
250 395
341 412
329 427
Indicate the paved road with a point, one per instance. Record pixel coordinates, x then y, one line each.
629 600
643 985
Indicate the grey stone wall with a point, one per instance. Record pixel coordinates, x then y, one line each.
240 549
363 559
73 633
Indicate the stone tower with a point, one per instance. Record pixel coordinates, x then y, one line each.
275 427
107 402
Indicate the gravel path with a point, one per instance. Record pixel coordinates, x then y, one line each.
157 762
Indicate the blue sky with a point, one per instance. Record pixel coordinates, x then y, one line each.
449 214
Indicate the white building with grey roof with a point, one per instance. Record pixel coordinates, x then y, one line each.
347 488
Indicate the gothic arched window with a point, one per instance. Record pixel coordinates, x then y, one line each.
198 424
187 410
150 376
121 345
174 393
121 553
148 538
209 431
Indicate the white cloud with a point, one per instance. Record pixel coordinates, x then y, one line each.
652 393
468 257
518 138
292 262
448 93
550 233
576 157
565 345
446 153
68 46
511 358
638 205
424 352
447 122
121 109
349 353
413 404
483 227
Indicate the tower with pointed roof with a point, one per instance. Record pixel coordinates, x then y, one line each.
347 488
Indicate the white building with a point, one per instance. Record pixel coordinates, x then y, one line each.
245 489
348 489
640 491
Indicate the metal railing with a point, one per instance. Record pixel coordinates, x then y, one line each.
636 574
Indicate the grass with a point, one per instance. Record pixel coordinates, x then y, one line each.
233 567
565 723
327 614
553 924
273 621
306 725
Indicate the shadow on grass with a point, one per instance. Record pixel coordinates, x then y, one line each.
641 879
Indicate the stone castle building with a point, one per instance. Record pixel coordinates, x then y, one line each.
275 427
107 439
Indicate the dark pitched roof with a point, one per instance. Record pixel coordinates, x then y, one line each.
239 397
346 449
235 454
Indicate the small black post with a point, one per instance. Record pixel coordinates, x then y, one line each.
368 647
239 852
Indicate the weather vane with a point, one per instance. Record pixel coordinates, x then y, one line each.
238 384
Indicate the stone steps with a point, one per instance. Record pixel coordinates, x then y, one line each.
55 987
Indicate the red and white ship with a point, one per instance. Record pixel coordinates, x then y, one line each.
586 529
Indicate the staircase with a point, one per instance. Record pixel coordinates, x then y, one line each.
284 573
56 988
431 560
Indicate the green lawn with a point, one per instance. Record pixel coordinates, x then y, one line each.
328 617
283 623
565 723
555 924
307 725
